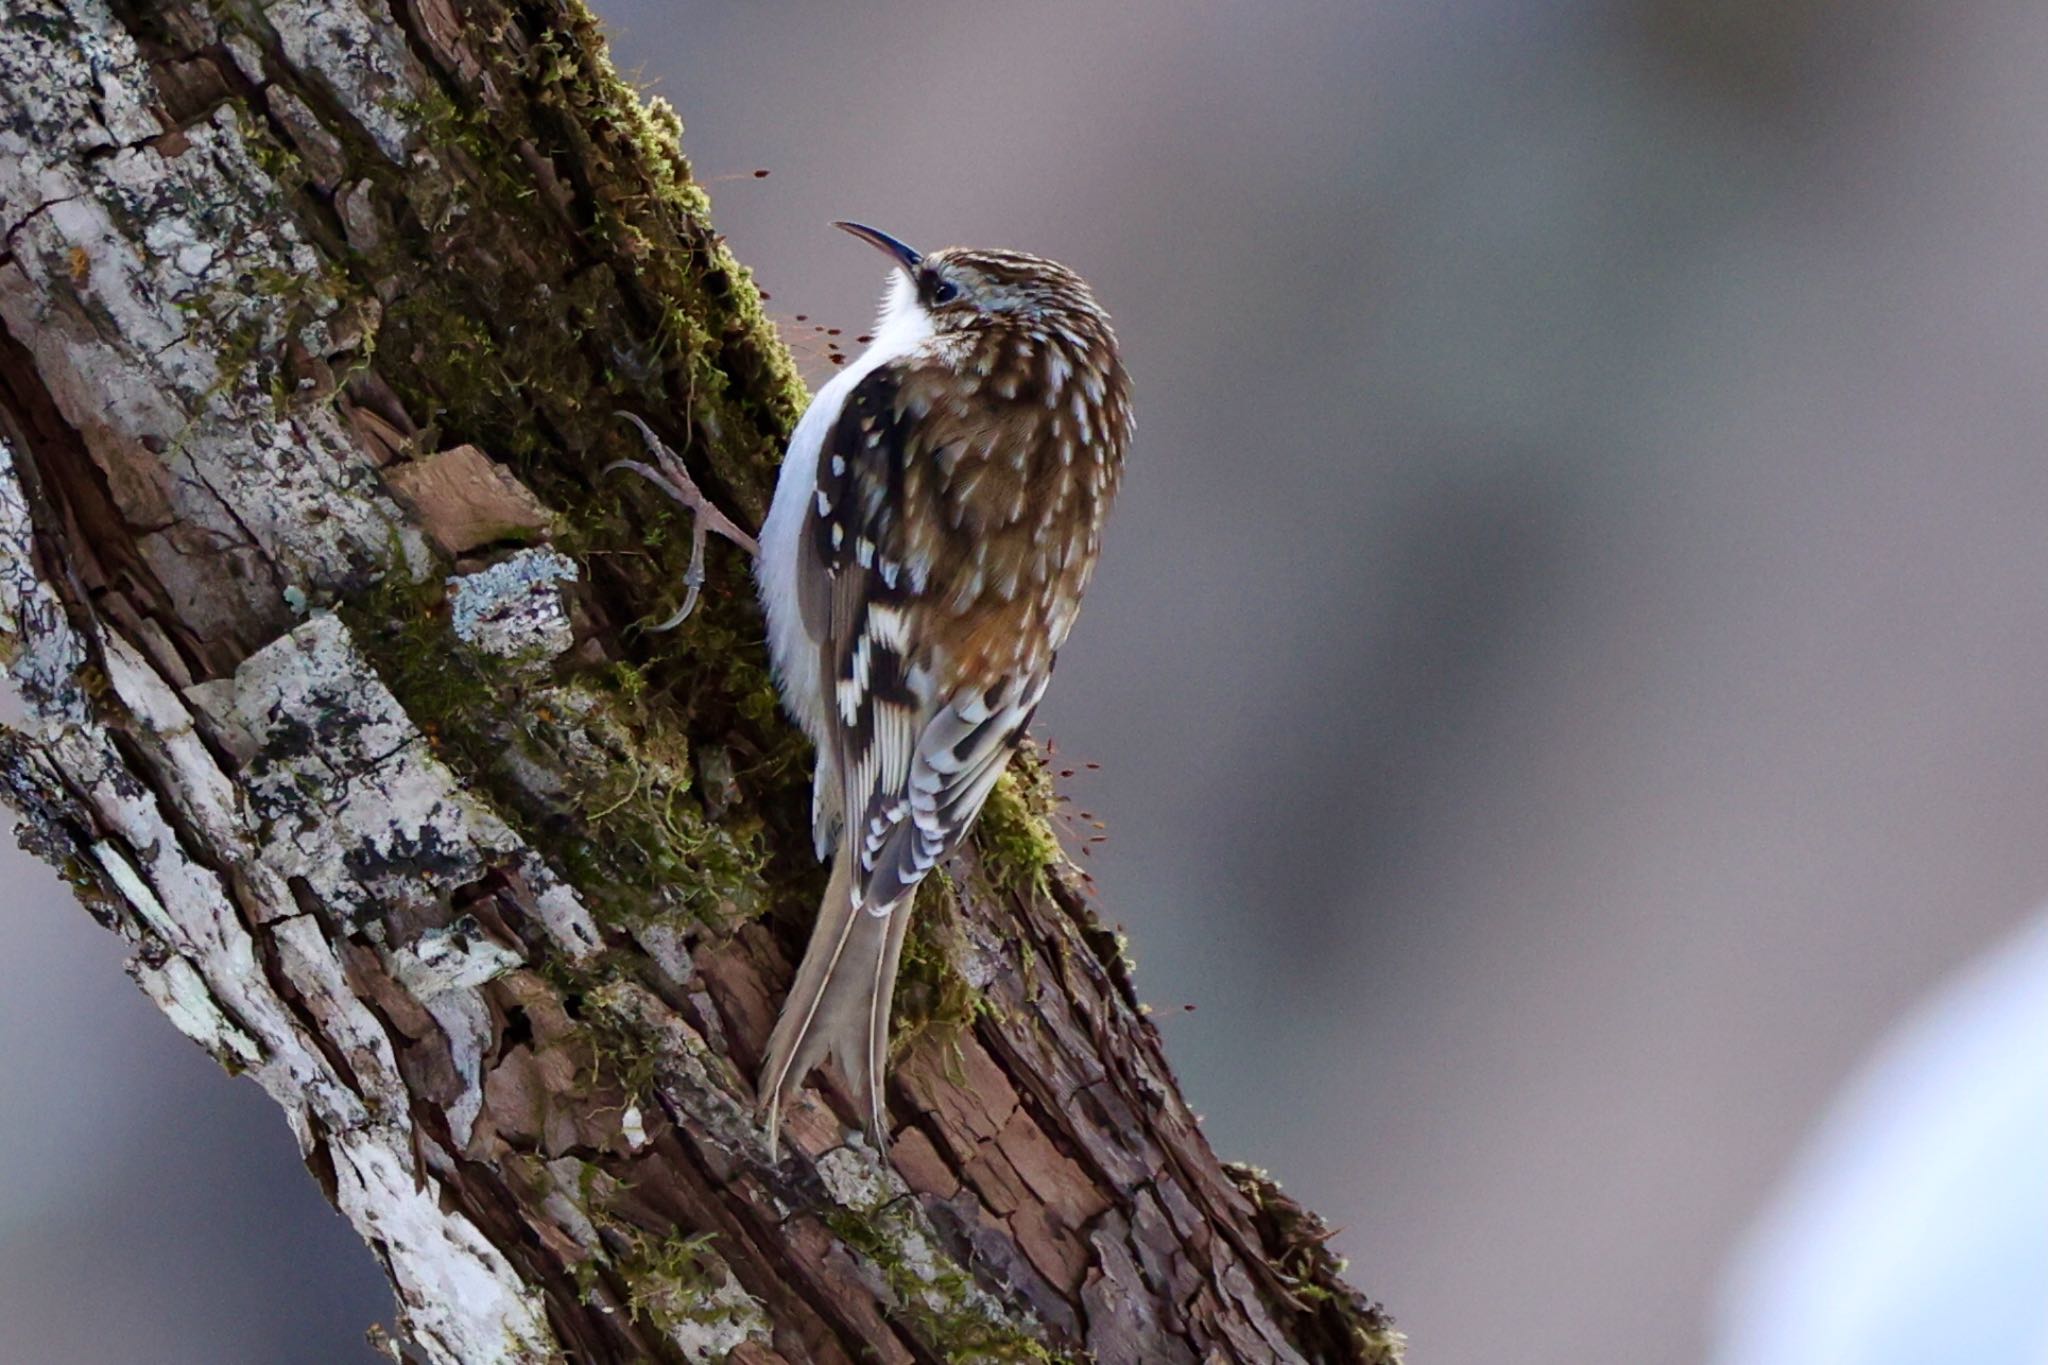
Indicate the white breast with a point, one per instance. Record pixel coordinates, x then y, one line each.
901 329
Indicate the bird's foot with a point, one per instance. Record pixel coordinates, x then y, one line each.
668 474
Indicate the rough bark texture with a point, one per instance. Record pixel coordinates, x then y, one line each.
317 316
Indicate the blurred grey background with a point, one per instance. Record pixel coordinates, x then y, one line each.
1568 669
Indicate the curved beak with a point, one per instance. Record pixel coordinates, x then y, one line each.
905 256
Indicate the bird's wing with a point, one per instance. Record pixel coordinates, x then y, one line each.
814 591
938 641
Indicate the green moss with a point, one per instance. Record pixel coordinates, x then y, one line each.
444 687
673 1282
932 997
677 1283
1017 845
283 165
649 312
586 767
500 328
629 773
948 1312
621 1053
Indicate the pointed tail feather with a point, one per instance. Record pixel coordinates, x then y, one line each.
876 1044
838 1006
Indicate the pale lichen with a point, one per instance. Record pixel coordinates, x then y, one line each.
461 1300
316 729
514 609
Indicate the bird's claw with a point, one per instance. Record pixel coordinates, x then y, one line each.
669 475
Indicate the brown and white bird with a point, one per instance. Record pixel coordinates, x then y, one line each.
935 523
934 526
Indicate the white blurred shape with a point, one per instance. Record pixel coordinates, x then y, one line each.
1914 1229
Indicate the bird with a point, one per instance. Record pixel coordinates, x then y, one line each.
935 523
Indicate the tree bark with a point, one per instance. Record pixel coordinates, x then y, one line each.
318 319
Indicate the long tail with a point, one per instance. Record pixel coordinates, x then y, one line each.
839 1005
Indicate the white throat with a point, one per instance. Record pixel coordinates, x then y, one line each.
901 326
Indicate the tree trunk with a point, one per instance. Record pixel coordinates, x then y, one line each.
318 319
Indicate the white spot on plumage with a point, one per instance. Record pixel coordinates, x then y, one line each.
890 626
1056 372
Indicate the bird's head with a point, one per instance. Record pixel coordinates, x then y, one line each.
964 290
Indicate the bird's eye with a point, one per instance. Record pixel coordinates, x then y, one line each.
943 290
